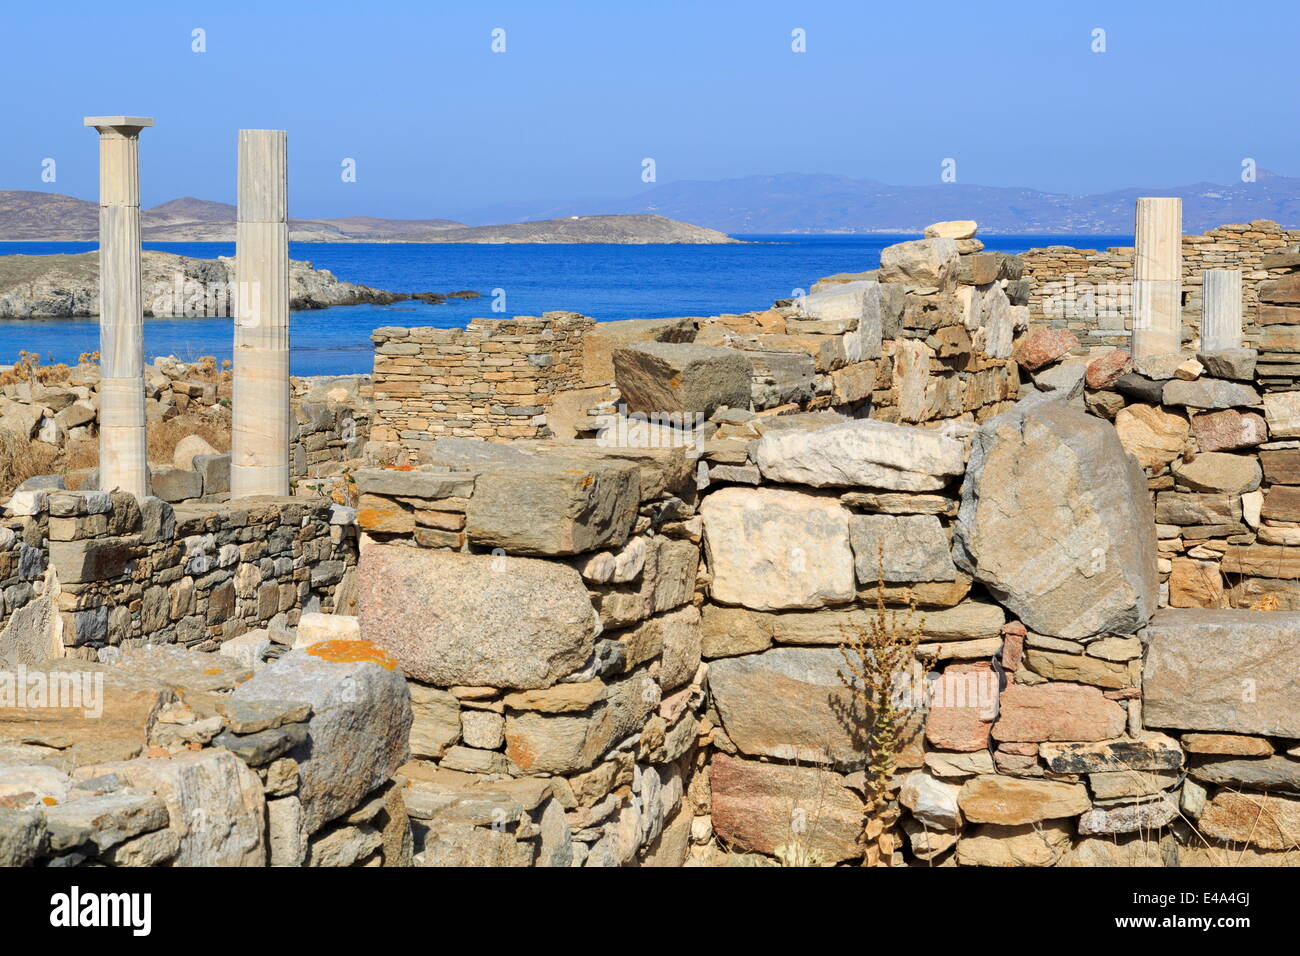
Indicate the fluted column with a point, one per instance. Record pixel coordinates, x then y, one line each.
259 462
123 439
1221 310
1158 277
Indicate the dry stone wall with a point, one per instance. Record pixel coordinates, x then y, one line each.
1088 291
519 586
542 599
495 379
115 572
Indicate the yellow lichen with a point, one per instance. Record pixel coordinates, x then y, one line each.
349 652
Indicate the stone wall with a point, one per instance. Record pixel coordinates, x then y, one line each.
199 575
542 599
520 588
620 678
1089 291
494 379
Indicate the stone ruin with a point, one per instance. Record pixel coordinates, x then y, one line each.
616 639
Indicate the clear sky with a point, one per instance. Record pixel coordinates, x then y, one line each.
440 125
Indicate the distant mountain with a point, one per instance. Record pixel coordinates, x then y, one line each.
795 203
52 217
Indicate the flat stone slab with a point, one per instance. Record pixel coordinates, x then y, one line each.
1223 670
673 378
861 453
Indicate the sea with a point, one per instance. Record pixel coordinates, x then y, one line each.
606 282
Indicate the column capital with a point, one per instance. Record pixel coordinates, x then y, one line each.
127 125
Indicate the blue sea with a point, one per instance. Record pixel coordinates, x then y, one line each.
607 282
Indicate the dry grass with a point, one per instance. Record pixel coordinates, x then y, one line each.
165 436
21 459
875 658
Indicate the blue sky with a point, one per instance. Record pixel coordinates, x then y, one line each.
439 125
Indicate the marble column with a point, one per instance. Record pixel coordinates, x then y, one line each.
123 439
259 463
1158 277
1221 310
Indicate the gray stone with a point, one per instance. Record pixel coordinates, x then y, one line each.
357 734
1229 363
148 849
1230 671
1140 388
1052 519
93 559
789 703
1268 773
286 835
476 620
431 485
176 484
1209 393
862 452
1151 815
672 377
1063 381
1149 752
858 306
911 547
22 836
343 846
104 820
32 634
920 262
250 717
932 802
214 804
215 472
260 748
781 378
553 506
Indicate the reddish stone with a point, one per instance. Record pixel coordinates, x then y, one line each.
1228 429
1043 347
1013 645
763 806
1106 371
1127 693
962 707
1265 821
1024 750
1057 711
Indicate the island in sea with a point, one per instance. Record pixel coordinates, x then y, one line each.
52 217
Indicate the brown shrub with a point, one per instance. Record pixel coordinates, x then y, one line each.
21 458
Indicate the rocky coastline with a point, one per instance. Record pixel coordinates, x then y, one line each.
67 286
